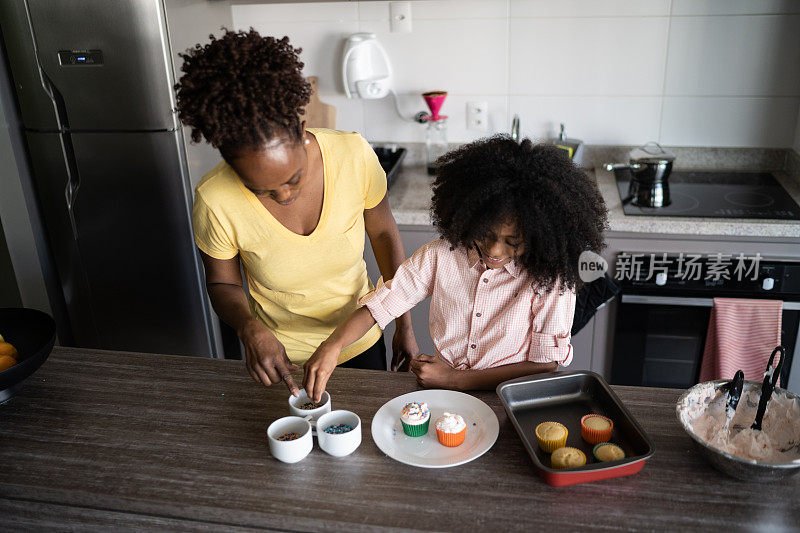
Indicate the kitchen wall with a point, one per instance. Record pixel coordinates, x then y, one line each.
682 72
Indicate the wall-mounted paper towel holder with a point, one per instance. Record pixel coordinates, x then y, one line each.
366 70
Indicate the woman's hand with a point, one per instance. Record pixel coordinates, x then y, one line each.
318 369
404 346
266 357
434 372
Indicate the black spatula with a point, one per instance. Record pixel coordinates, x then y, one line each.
768 385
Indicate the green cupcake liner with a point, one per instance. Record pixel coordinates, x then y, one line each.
597 447
417 430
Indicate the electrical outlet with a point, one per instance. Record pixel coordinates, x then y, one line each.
400 17
478 116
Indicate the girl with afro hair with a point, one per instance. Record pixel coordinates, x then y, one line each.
288 205
514 219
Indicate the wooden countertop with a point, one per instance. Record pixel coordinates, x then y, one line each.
108 439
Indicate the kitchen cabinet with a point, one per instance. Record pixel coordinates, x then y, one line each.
414 237
582 347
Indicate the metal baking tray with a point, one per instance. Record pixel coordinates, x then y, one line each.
565 397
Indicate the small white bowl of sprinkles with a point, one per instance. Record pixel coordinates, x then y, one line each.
303 406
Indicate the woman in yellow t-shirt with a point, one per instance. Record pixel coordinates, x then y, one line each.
288 204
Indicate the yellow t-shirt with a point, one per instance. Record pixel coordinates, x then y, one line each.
301 287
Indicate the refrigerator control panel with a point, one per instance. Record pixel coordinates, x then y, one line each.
77 58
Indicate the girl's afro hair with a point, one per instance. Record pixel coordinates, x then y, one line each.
557 208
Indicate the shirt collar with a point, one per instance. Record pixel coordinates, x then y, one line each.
474 259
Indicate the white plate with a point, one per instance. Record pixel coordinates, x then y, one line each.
426 451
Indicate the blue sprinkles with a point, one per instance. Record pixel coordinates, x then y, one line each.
338 429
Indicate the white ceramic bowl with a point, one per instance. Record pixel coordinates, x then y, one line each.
290 451
300 399
341 444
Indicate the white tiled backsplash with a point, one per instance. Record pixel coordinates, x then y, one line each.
682 72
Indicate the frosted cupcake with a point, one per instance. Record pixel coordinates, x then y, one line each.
415 417
451 429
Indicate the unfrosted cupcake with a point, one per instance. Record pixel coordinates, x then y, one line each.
451 429
567 457
415 417
596 428
551 436
605 451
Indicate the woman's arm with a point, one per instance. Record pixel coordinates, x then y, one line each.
435 372
266 357
389 253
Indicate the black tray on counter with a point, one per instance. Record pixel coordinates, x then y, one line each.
565 397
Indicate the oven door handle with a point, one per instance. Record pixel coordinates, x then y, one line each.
687 302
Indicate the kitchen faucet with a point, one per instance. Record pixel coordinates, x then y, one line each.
515 128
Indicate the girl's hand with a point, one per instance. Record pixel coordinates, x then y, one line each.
266 357
434 372
318 369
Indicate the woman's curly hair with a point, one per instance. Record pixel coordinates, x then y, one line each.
557 208
242 90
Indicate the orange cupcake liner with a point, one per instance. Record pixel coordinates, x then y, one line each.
451 439
550 445
596 436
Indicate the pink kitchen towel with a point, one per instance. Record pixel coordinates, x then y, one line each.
741 335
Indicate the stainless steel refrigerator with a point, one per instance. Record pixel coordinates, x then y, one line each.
94 82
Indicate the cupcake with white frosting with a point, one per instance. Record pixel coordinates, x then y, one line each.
451 429
415 418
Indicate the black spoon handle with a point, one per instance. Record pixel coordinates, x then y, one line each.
735 391
768 385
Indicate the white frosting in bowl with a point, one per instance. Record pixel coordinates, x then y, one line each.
702 412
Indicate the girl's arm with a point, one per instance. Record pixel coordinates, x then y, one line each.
490 378
435 372
389 254
319 367
412 283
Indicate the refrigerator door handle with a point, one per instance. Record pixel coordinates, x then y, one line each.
67 150
47 84
73 179
69 195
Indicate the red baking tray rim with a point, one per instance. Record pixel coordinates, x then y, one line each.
594 472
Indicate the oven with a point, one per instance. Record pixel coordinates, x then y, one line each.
665 305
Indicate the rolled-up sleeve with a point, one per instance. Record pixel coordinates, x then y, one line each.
553 313
412 283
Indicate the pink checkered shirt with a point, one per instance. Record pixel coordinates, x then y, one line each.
479 317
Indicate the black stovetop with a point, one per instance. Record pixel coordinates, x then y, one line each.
717 195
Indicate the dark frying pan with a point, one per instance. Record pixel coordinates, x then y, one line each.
33 333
